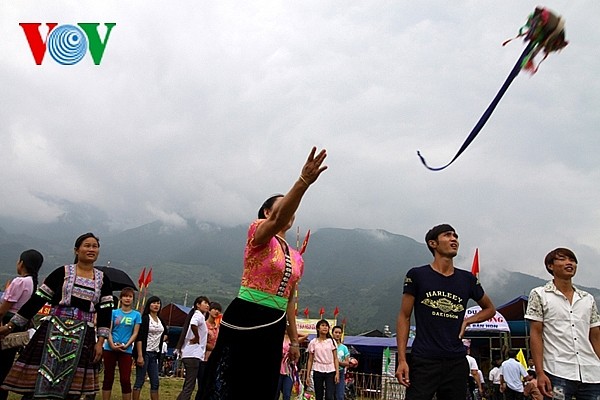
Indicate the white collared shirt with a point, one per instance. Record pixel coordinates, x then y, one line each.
196 350
568 352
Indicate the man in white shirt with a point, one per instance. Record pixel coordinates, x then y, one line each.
494 378
565 332
473 370
511 377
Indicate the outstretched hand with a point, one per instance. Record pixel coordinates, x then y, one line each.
313 166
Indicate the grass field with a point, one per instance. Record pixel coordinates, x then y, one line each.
168 390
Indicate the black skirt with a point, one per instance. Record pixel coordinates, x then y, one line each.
245 361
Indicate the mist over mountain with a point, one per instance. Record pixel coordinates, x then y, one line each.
360 271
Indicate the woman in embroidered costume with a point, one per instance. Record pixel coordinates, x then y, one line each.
18 292
250 338
61 360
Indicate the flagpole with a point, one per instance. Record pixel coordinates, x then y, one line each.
147 282
141 280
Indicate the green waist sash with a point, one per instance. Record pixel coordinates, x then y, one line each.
262 298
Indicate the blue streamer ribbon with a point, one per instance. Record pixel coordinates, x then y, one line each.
488 112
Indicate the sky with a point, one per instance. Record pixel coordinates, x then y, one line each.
204 109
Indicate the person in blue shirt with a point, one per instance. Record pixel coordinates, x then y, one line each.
343 361
119 346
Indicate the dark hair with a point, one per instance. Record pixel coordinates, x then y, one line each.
532 373
188 319
199 300
127 290
80 240
512 353
322 322
152 299
328 335
215 306
267 205
32 262
436 231
560 251
337 327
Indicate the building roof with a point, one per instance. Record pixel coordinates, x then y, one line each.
515 309
174 314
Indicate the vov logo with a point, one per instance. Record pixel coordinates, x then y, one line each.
67 44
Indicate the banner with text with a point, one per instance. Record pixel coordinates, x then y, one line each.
495 324
307 326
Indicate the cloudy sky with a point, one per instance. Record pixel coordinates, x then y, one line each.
203 109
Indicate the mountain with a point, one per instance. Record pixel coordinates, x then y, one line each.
360 271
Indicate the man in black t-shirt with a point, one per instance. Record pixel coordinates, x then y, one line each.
438 293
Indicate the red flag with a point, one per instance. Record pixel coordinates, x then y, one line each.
306 312
321 312
148 278
142 278
305 243
475 267
336 312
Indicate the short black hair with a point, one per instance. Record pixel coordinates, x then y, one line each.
267 205
560 251
436 231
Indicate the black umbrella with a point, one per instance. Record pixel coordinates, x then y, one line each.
118 278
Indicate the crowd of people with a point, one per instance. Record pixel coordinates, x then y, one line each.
62 358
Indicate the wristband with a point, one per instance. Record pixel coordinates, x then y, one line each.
304 180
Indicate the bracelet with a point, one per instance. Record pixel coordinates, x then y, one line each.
304 180
294 344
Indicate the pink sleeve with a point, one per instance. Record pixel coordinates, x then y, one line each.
311 346
15 290
251 232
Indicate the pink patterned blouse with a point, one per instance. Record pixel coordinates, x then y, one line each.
264 265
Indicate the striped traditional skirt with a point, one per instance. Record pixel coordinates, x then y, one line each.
58 362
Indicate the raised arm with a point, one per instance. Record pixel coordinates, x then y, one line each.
284 209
